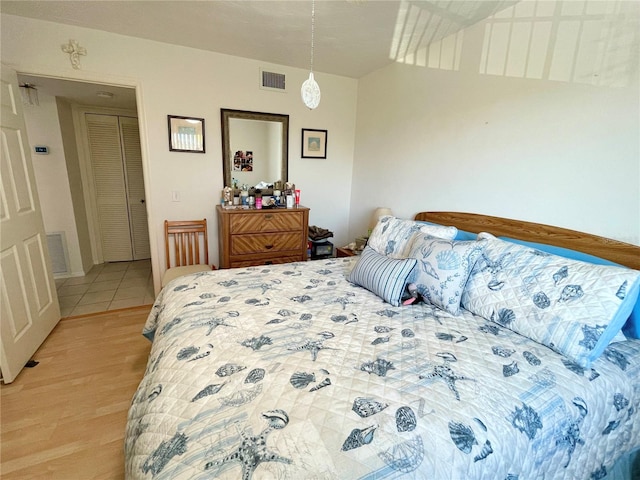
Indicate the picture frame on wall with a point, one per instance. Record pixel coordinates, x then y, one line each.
186 134
314 143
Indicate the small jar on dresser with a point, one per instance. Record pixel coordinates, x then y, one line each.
249 237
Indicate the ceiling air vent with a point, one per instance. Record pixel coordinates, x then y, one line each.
272 81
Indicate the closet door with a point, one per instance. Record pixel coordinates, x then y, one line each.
110 189
135 187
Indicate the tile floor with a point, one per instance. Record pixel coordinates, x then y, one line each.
107 287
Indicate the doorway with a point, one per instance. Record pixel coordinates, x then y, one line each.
65 176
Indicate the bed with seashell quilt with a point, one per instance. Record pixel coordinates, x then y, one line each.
438 353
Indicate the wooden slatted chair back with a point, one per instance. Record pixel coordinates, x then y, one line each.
183 242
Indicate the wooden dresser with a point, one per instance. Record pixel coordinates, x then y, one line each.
262 237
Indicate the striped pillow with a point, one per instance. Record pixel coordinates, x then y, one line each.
384 276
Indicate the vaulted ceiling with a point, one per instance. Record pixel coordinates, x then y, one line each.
352 37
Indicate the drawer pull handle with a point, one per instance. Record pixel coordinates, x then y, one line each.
269 247
269 262
269 216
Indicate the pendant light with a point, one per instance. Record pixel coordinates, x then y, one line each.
310 90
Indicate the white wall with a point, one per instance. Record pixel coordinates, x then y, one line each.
562 151
184 81
74 175
43 128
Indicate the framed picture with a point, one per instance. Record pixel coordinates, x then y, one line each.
186 134
314 143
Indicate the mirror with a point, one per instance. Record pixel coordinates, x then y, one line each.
255 147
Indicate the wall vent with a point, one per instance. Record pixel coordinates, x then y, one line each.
274 81
57 243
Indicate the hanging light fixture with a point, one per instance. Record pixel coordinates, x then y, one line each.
29 94
310 90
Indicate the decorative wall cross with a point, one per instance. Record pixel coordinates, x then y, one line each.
74 50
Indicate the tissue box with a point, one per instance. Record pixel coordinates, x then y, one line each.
361 242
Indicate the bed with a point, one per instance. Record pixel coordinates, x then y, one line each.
366 368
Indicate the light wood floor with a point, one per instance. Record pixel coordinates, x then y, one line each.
65 418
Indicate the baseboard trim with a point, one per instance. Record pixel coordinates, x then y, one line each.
106 312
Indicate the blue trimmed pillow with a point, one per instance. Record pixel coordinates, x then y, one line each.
393 236
572 307
443 269
384 276
632 326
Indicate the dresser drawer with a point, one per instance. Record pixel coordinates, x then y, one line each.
265 243
263 261
267 222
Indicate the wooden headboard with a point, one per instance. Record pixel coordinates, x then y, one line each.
619 252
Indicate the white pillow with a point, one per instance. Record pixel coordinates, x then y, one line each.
393 237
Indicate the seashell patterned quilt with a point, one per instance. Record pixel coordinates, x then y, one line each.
291 372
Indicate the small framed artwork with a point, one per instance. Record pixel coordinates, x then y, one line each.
314 143
186 134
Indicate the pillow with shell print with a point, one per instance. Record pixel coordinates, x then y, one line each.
443 269
394 237
572 307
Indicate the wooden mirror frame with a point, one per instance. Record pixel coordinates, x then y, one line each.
227 159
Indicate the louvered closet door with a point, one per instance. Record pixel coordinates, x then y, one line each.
110 187
135 187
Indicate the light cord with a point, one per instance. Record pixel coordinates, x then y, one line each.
313 27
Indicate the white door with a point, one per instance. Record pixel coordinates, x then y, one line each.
28 302
110 190
132 156
116 162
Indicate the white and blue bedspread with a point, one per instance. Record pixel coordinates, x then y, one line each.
291 372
